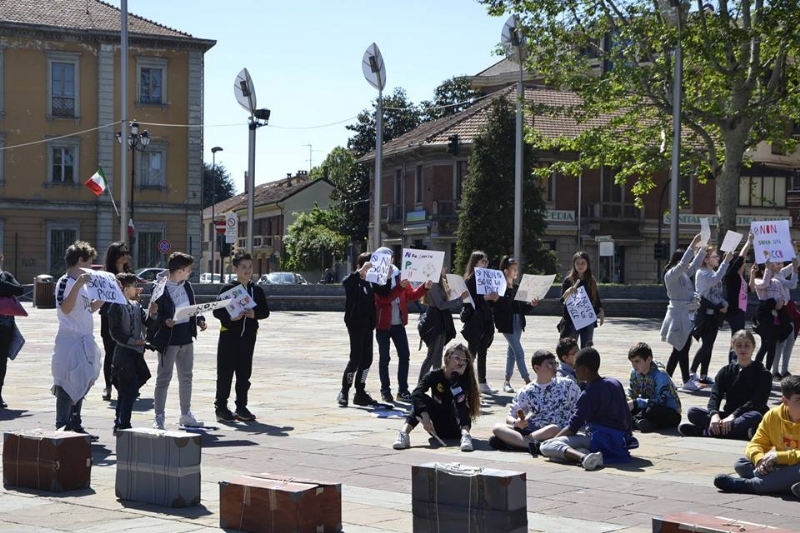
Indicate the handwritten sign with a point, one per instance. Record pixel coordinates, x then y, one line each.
731 241
457 288
158 288
239 300
533 287
422 265
580 309
103 286
772 241
189 311
490 281
705 231
378 272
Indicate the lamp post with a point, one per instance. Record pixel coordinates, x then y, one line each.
137 142
213 208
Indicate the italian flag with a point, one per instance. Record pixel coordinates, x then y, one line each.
97 183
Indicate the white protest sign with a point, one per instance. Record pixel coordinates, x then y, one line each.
103 286
705 231
422 265
378 272
238 299
189 311
533 287
457 288
580 309
490 281
158 288
731 241
772 241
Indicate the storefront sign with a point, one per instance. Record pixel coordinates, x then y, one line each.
741 220
559 216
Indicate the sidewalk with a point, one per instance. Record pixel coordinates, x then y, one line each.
302 432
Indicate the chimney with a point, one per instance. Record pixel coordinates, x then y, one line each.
246 182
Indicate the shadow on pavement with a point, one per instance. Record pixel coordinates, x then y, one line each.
195 511
65 494
637 464
11 414
100 455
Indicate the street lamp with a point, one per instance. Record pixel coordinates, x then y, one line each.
213 208
374 72
137 142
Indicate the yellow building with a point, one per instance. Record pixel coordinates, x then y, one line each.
59 113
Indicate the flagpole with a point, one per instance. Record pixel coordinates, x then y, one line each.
114 204
123 115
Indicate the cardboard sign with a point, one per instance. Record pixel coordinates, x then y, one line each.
731 241
378 272
489 281
772 241
705 231
189 311
103 286
457 288
422 265
580 309
158 288
533 287
239 300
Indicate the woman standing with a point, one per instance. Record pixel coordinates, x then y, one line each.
773 321
479 324
677 326
438 328
8 287
580 276
117 260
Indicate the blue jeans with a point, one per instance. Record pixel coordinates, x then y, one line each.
779 480
515 352
68 414
586 336
397 333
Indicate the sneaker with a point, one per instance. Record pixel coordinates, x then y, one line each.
363 398
404 396
466 443
592 461
730 483
690 430
705 380
189 421
498 444
386 397
776 376
694 377
507 387
106 395
224 415
485 388
158 423
3 404
342 399
796 490
690 386
644 425
79 429
243 413
534 448
751 433
402 442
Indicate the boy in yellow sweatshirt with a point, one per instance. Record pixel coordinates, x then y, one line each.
772 464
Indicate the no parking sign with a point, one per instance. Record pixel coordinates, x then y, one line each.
164 246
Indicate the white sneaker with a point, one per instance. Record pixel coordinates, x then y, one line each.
485 388
466 443
591 461
690 386
159 422
189 421
402 442
507 387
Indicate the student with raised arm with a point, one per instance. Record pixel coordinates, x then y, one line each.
736 290
773 321
783 351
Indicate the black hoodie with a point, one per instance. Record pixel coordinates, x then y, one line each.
743 389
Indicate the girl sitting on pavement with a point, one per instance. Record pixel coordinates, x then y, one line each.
454 401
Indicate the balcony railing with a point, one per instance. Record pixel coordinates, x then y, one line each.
615 210
392 213
445 209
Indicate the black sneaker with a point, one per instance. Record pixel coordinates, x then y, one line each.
386 397
342 399
730 483
79 429
404 396
243 413
499 444
533 448
224 415
776 377
705 380
796 490
690 430
363 398
3 404
644 425
107 395
751 433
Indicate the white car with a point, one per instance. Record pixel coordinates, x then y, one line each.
208 277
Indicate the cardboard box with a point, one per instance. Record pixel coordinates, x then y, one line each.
698 523
268 503
55 461
160 467
459 485
429 517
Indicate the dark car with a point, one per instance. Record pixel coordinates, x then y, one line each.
149 274
282 278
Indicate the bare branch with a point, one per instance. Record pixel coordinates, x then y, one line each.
715 64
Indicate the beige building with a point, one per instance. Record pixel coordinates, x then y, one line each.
59 113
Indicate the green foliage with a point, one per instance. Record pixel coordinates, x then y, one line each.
486 217
450 98
223 184
400 116
312 239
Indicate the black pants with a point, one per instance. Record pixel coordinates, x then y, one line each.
479 349
768 331
700 417
702 358
680 358
443 417
357 367
5 347
127 381
234 357
108 347
660 415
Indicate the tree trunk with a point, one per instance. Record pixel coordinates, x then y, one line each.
728 180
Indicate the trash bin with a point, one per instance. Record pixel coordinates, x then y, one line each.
44 296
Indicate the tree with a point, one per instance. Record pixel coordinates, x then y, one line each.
740 82
311 240
486 218
223 184
450 98
349 212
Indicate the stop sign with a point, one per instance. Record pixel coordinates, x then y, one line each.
219 225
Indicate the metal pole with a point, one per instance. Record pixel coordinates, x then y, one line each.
580 191
660 223
251 179
676 142
213 209
518 169
132 148
123 116
376 210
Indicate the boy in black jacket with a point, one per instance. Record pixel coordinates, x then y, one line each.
237 342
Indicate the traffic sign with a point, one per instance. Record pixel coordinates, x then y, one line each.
164 246
220 227
231 227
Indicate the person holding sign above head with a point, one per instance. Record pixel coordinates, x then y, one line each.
76 356
771 316
117 260
783 351
174 340
580 297
478 321
237 337
736 290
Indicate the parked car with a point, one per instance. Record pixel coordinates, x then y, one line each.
149 274
282 278
208 277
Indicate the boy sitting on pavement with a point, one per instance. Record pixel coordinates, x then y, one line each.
603 409
566 350
772 462
652 396
539 410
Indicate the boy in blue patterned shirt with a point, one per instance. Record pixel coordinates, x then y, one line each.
652 396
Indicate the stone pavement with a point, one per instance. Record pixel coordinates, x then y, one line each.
302 432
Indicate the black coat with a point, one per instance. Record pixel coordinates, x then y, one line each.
743 389
506 307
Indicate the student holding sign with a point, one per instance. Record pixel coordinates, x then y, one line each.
773 321
174 340
117 260
580 276
479 320
237 339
